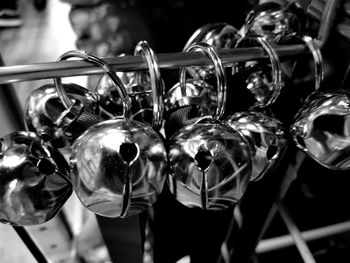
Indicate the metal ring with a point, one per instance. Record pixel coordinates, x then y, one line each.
156 82
315 52
275 64
220 76
108 70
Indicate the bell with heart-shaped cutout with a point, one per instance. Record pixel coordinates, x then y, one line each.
263 81
210 162
119 166
266 138
34 180
139 88
273 21
321 127
264 132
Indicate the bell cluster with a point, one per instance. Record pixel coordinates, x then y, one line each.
118 146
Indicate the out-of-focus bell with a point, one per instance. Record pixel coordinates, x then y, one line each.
34 182
273 21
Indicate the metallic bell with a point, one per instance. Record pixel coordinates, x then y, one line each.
321 128
266 138
210 162
263 81
139 88
43 109
34 182
119 166
210 165
219 36
190 98
273 21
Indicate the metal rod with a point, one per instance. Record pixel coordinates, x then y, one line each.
47 70
295 233
275 243
328 15
31 245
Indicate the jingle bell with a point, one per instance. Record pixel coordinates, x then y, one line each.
321 128
273 21
43 108
34 182
119 166
210 162
210 165
219 36
266 138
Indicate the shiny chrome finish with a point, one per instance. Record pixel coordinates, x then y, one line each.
265 91
219 36
273 21
315 52
43 109
34 182
321 128
210 162
145 90
266 138
118 167
210 165
195 94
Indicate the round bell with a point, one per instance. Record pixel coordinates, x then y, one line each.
273 21
263 81
139 88
266 138
210 162
188 99
119 166
43 109
34 182
320 128
219 36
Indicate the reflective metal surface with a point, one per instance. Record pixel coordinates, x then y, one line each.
219 36
118 167
264 82
34 181
322 131
43 108
272 21
210 165
266 138
145 90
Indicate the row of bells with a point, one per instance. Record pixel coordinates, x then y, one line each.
130 135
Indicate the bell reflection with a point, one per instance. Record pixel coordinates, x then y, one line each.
322 129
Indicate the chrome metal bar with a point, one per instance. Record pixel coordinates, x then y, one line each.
327 19
295 233
48 70
275 243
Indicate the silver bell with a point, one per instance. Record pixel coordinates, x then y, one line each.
189 99
219 36
321 128
273 21
34 182
266 138
119 166
139 88
210 162
263 81
43 109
